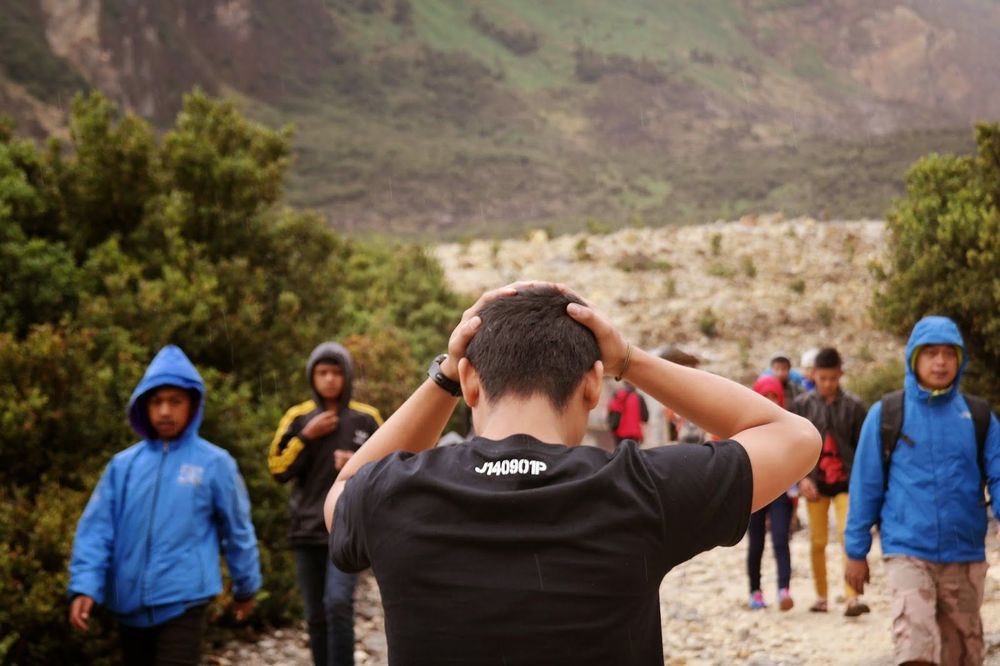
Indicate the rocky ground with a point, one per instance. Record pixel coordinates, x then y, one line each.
729 292
705 619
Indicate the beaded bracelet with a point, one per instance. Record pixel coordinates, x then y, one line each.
628 358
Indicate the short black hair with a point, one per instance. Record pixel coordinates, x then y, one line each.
829 357
528 345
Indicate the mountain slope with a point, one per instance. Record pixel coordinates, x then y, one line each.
456 118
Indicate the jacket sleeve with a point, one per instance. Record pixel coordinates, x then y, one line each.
866 487
231 505
284 458
992 459
95 539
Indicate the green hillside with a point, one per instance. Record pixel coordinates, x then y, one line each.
455 118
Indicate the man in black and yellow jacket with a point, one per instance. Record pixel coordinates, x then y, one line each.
313 442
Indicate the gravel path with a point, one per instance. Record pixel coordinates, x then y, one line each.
705 618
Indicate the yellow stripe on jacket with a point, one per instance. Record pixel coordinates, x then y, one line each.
280 461
365 408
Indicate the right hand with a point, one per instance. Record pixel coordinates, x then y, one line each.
79 611
321 424
808 489
856 574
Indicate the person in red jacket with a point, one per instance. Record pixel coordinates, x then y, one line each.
627 412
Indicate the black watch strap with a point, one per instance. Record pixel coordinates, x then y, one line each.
449 385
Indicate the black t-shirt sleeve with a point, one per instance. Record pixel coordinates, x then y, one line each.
348 536
706 492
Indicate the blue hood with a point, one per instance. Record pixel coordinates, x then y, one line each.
170 367
933 331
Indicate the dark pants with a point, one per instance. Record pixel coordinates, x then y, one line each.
176 642
780 511
328 597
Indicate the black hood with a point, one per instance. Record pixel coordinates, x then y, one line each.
331 352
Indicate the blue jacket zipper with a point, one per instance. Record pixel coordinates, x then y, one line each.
152 517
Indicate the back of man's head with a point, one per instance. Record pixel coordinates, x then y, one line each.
527 345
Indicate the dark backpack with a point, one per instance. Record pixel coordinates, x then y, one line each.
891 430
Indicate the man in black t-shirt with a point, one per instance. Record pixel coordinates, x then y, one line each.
520 547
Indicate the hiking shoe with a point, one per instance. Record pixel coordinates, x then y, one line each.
785 599
757 600
856 608
819 606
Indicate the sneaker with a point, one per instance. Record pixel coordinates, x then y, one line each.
757 600
818 607
856 608
785 599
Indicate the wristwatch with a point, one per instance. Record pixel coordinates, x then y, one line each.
442 380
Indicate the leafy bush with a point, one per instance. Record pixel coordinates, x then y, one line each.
708 323
122 242
878 381
944 249
591 66
518 42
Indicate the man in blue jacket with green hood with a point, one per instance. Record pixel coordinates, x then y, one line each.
928 503
147 545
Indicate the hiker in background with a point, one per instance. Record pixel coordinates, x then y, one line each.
780 367
924 457
780 513
627 411
838 416
314 441
808 368
147 545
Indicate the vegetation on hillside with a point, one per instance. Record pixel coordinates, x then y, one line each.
121 242
26 57
451 118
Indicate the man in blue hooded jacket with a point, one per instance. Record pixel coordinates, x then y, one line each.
931 513
147 545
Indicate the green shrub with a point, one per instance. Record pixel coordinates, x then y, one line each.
878 381
708 323
517 41
720 270
944 249
715 242
127 242
824 312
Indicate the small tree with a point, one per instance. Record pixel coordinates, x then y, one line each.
944 254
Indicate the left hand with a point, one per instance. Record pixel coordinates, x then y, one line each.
243 609
340 458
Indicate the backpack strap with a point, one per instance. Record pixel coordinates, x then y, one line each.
981 412
890 429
